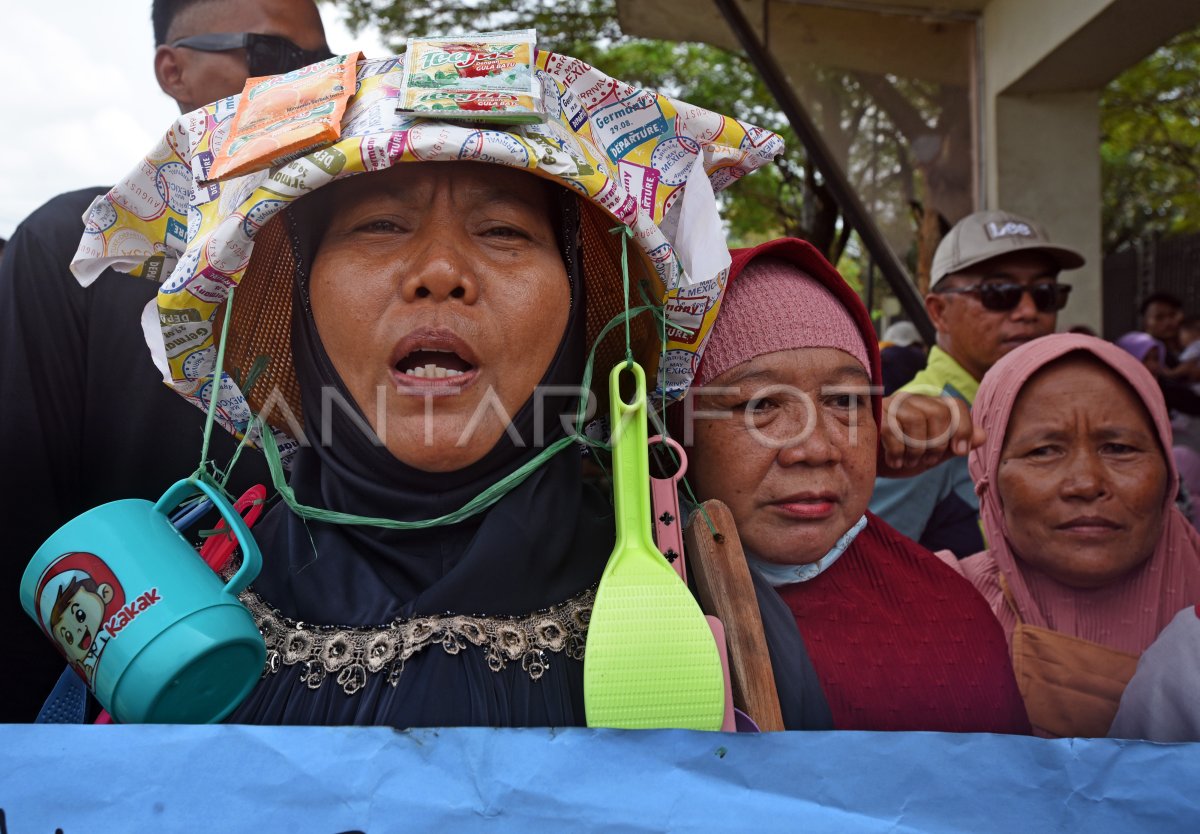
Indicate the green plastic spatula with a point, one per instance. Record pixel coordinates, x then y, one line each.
651 661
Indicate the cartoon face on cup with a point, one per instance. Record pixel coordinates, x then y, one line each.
77 598
153 631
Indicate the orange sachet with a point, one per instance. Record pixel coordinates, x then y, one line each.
283 117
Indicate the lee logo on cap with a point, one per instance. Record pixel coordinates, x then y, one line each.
1009 229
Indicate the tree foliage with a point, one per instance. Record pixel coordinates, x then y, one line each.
1150 146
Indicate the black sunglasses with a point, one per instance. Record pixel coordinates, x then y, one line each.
1047 297
265 54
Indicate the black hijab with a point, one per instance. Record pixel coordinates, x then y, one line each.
544 542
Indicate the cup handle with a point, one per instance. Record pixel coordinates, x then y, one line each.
251 556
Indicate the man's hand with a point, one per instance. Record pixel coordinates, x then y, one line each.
920 432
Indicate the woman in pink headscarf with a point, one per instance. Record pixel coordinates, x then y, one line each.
1088 557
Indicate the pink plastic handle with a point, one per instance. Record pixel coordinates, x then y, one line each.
219 547
664 502
668 535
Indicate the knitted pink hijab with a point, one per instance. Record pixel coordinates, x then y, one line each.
784 294
1126 615
776 305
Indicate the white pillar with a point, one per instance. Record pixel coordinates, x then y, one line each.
1044 164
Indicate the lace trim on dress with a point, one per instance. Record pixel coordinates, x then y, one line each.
354 652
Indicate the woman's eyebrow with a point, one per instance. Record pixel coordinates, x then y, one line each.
1041 433
1120 433
851 373
494 194
750 375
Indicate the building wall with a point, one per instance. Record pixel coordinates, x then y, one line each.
1040 149
1046 167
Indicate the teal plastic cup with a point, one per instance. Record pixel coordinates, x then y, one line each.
157 636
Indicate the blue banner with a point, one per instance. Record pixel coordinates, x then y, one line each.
267 779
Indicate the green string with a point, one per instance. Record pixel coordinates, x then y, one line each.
202 471
237 453
476 505
256 369
626 233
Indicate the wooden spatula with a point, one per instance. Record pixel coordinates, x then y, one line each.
722 578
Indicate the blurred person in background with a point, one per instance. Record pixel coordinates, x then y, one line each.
1189 355
68 355
1162 313
1152 353
903 354
1183 406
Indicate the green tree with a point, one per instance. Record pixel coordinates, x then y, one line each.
1150 145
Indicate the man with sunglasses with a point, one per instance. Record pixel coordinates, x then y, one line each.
994 287
67 354
205 49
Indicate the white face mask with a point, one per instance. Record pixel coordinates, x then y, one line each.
779 575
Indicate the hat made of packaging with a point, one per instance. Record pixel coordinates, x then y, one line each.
988 234
627 152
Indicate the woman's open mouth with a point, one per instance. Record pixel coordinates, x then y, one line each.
433 356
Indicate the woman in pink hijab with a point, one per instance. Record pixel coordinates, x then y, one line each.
1088 557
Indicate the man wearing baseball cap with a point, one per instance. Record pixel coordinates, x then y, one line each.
994 287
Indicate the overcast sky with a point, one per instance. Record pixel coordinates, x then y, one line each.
81 105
